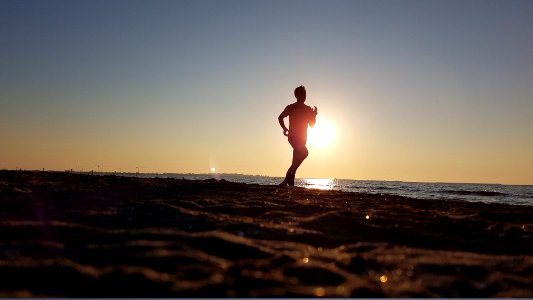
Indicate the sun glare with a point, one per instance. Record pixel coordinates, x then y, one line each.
322 135
319 183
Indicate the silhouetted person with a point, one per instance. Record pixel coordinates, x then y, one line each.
300 116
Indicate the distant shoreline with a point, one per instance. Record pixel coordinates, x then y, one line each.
486 193
118 173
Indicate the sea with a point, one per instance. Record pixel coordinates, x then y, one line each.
473 192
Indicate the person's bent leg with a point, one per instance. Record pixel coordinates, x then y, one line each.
289 175
299 155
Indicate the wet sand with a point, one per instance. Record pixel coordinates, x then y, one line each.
72 235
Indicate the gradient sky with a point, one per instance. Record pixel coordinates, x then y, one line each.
417 90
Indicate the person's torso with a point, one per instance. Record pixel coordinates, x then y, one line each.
299 119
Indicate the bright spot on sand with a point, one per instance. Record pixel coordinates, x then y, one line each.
340 289
367 217
321 135
305 260
320 292
213 170
383 279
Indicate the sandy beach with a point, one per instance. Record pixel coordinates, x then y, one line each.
73 235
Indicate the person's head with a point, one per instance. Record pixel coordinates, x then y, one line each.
300 94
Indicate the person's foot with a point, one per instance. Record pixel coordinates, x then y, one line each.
290 182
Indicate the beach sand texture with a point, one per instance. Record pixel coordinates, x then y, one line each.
72 235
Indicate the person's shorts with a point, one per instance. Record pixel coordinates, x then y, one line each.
297 142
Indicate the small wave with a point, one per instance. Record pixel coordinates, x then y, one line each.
370 187
384 188
474 193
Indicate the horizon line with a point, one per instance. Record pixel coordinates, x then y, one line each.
92 172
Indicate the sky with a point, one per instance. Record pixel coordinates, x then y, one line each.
427 91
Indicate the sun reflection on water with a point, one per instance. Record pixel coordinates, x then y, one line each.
319 183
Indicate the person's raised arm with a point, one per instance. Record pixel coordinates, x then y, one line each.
282 116
312 120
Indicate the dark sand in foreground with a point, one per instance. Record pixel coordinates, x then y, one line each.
70 235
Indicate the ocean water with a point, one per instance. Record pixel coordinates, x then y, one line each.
488 193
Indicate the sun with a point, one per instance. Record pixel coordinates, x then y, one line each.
321 135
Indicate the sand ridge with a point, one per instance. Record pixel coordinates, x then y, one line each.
73 235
